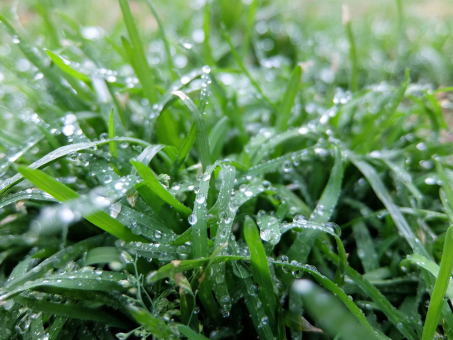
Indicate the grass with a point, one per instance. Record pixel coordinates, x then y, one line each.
225 170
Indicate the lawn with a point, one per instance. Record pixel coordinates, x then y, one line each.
229 169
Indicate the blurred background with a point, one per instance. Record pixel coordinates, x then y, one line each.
391 34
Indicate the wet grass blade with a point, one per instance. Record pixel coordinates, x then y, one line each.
202 140
112 145
260 269
60 62
153 183
301 247
381 191
440 288
63 193
61 152
154 325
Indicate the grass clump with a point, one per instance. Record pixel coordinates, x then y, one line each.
275 184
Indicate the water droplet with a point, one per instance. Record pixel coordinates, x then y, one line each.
192 219
107 179
201 199
300 219
206 69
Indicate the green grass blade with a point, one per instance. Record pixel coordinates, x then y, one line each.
74 311
292 88
300 249
190 334
63 193
59 61
207 34
184 149
260 269
394 315
112 145
144 72
332 315
154 325
153 183
440 288
381 191
202 140
447 189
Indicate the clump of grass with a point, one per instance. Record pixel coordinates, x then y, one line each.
153 187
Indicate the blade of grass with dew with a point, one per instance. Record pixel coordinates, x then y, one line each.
153 183
276 163
222 233
64 66
440 288
71 310
56 327
379 188
163 252
431 267
394 315
260 269
64 151
245 71
63 193
59 259
331 314
144 71
101 255
292 88
301 247
202 141
29 194
112 145
447 197
152 324
79 280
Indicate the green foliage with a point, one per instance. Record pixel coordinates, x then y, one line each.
233 170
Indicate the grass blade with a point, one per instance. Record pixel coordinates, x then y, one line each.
63 193
153 183
440 288
292 88
260 269
202 140
138 53
112 145
300 249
